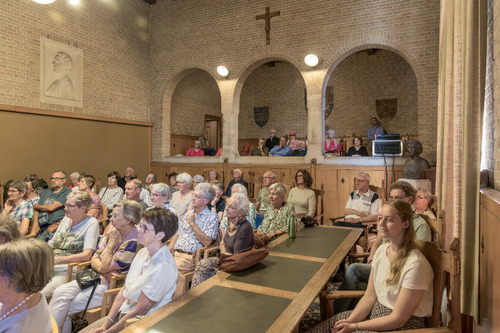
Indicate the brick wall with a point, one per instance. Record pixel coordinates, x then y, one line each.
114 36
495 165
196 94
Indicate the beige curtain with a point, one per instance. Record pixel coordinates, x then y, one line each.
462 53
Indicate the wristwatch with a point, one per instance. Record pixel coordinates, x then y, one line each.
58 260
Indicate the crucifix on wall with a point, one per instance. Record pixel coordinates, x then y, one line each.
267 17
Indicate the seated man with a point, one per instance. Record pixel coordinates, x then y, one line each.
236 180
272 140
301 149
205 144
197 229
282 150
356 276
49 211
262 199
260 150
363 204
129 175
133 192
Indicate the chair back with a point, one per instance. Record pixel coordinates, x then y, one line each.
98 185
436 228
320 203
1 196
180 288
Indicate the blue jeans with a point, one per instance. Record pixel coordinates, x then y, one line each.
356 277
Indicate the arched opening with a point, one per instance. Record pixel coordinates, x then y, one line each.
195 106
272 97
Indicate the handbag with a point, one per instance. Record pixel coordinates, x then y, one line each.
87 278
242 260
308 221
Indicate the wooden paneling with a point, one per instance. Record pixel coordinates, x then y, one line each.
179 144
489 267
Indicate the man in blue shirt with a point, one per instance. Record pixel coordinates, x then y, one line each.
282 150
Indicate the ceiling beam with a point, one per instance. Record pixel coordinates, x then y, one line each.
151 2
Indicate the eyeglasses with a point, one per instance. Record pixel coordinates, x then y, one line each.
361 180
142 227
156 195
57 178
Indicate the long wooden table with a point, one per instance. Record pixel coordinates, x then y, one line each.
272 296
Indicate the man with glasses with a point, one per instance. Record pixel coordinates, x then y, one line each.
356 276
262 199
363 204
49 210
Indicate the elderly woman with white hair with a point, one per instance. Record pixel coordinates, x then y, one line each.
238 188
197 179
237 237
278 214
74 178
25 268
160 197
182 198
332 144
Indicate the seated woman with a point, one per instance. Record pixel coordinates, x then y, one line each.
160 197
212 177
332 144
8 229
75 238
152 278
85 184
182 198
74 178
357 149
238 188
18 208
112 194
292 141
31 181
25 267
172 181
114 255
237 237
197 179
302 197
423 202
196 150
399 294
278 214
218 204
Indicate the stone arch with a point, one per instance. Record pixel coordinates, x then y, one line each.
170 85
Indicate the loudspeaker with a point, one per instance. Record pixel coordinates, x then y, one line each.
387 148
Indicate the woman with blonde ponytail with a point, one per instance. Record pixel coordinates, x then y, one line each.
399 293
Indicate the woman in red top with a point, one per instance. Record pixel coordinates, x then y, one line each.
196 151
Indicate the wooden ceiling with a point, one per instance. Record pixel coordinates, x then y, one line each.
151 2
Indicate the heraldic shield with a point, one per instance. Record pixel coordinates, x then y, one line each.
387 109
261 116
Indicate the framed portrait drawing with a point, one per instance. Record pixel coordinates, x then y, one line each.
61 73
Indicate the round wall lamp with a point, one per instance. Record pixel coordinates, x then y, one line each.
311 60
222 70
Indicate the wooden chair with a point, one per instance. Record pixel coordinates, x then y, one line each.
444 265
98 185
320 203
1 196
103 223
437 227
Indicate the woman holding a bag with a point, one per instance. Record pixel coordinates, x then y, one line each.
237 237
114 256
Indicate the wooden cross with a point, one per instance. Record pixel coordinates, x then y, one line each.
267 16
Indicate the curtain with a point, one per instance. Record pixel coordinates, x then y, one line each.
462 54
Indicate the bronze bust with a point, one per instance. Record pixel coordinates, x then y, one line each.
415 164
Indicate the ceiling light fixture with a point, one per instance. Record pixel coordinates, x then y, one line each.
222 70
311 60
44 2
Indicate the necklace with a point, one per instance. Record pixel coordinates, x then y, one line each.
17 306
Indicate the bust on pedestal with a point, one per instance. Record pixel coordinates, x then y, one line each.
415 165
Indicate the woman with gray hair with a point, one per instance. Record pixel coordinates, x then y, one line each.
182 198
8 229
278 214
32 181
160 197
197 179
332 144
18 208
238 188
237 237
25 268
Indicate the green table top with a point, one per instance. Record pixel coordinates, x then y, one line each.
222 309
278 272
314 242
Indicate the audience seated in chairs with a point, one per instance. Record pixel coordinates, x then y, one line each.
357 149
114 255
237 237
236 180
198 228
238 188
301 196
75 238
151 280
218 204
182 198
85 184
25 268
301 149
49 210
9 229
32 182
133 192
195 150
273 140
282 149
400 290
357 274
363 204
17 207
260 150
423 203
111 194
161 196
262 199
278 214
332 144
